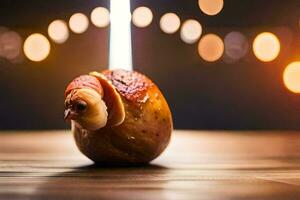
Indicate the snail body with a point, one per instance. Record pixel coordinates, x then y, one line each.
126 119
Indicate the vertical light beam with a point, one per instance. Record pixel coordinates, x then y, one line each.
120 53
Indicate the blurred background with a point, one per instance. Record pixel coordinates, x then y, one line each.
222 64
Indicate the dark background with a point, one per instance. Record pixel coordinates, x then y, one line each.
246 95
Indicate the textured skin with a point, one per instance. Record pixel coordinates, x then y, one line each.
143 135
132 86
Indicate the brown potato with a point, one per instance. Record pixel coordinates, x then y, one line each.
145 130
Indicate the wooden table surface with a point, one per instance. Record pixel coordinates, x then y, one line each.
197 165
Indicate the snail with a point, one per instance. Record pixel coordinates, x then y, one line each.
118 117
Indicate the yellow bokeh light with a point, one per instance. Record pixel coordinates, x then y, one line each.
191 31
79 23
169 23
142 17
36 47
291 77
58 31
266 46
100 17
211 7
211 47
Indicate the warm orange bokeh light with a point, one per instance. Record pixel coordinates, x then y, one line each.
58 31
211 47
291 77
79 23
142 17
211 7
191 31
266 46
100 17
169 23
36 47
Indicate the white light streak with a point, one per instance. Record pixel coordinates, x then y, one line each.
120 53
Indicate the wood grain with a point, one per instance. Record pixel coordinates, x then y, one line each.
197 165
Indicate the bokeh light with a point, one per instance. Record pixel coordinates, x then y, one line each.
191 31
100 17
142 17
266 46
169 23
236 45
10 45
58 31
36 47
2 31
211 47
211 7
291 77
79 23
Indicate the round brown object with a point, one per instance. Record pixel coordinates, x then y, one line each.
138 138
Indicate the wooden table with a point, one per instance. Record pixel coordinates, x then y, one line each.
197 165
